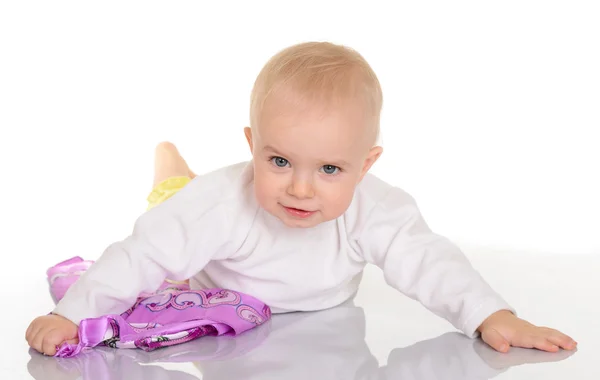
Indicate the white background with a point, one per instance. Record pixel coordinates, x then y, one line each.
491 116
490 120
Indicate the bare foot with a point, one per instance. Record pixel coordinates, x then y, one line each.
169 163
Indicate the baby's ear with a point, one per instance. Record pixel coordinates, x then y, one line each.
372 157
248 133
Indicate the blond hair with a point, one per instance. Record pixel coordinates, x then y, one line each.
318 71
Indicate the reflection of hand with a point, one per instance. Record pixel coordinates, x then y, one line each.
46 367
517 356
503 329
454 356
105 363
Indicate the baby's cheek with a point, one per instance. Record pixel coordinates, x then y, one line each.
339 198
266 188
261 191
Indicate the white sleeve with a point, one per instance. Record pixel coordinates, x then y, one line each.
174 240
425 266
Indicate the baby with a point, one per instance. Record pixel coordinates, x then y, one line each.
296 225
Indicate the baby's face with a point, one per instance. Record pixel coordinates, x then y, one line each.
307 162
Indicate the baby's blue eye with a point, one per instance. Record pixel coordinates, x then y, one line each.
330 169
279 161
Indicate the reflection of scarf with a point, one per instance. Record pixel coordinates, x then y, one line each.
172 315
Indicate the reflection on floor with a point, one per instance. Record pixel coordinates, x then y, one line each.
323 345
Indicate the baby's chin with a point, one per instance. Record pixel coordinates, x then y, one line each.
303 223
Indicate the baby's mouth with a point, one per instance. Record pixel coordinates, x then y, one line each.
300 213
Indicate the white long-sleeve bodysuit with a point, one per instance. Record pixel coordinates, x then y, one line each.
214 233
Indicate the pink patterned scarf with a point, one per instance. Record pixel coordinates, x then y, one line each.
172 315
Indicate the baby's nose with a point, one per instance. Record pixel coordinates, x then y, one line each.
301 189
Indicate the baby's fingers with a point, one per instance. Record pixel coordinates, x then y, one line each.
536 341
31 332
495 340
36 340
51 339
562 340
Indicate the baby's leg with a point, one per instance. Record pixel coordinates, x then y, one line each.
171 174
168 163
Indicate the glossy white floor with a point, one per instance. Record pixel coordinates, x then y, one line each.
382 335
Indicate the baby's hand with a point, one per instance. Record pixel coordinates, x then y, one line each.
503 329
46 333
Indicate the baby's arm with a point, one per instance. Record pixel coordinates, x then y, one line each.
432 270
175 240
155 249
425 266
